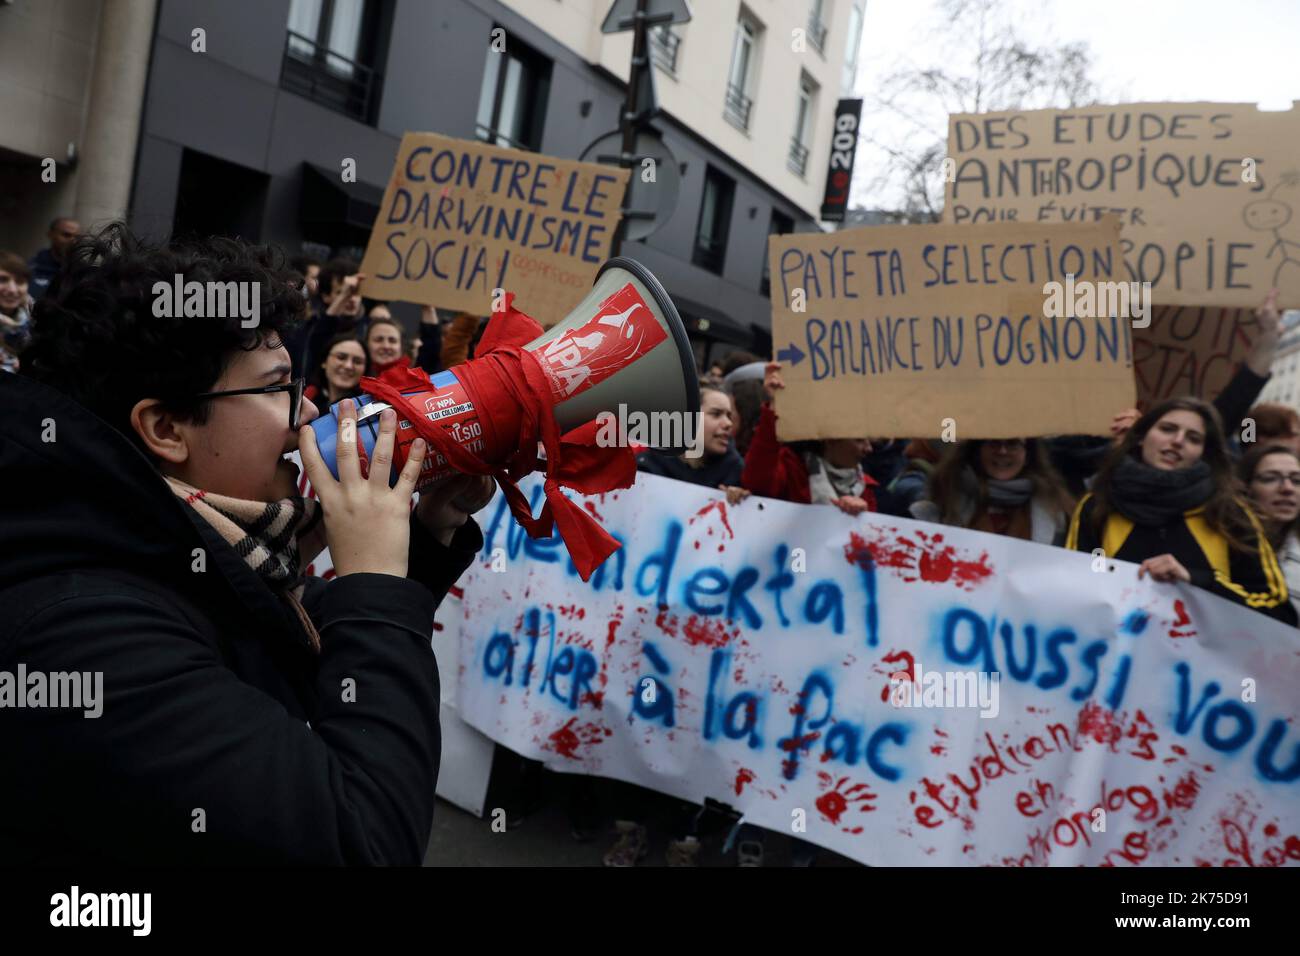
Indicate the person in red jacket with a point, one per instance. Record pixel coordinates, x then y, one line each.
822 472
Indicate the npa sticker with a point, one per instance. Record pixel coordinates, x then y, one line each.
623 330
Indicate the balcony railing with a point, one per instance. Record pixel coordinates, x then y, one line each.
663 48
817 33
328 78
737 106
798 158
497 138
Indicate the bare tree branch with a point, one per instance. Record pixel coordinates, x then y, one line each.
987 67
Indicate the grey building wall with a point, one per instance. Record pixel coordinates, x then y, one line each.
227 103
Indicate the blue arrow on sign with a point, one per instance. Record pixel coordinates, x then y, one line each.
791 355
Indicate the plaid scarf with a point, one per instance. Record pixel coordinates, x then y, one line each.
273 538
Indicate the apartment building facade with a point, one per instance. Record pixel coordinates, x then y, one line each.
251 106
72 76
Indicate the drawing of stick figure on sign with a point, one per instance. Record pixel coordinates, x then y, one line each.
1271 215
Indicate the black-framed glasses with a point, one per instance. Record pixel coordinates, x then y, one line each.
294 389
1273 478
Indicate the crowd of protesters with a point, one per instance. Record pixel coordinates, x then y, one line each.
1184 489
1170 490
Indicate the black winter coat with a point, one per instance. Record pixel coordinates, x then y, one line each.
223 737
1253 580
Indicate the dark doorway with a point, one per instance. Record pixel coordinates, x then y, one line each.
217 198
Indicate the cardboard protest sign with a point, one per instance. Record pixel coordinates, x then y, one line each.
461 218
923 695
1188 350
914 331
1209 192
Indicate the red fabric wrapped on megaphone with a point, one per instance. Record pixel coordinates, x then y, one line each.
514 392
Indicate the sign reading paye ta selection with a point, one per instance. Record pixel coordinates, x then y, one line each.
889 331
1208 192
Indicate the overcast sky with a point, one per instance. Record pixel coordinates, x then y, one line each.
1243 51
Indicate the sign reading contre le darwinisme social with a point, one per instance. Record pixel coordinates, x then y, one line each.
462 218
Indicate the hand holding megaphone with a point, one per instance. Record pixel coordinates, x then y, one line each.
622 350
367 522
448 505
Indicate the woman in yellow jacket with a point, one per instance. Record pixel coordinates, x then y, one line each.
1166 499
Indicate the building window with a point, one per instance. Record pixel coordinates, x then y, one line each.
797 161
512 102
715 221
740 80
664 44
779 225
329 54
851 44
817 16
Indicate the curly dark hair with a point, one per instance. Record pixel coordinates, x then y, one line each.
97 340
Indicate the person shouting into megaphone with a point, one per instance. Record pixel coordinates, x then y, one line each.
151 552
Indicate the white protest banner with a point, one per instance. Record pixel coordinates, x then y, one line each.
1208 192
996 331
1053 713
462 218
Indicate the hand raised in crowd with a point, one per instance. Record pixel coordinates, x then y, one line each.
735 495
851 505
1269 316
348 300
367 524
1264 349
1165 568
772 381
447 505
1122 422
428 315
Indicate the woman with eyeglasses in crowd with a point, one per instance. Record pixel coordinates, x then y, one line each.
1271 474
339 374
